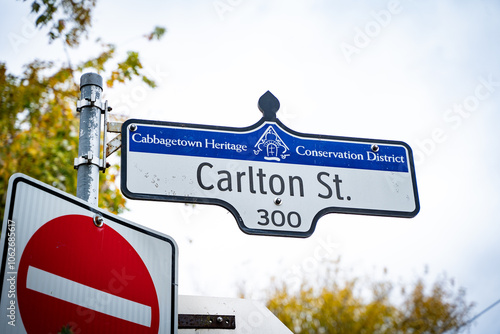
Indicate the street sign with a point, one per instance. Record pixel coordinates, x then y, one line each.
65 263
275 181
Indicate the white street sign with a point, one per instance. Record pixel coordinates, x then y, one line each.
274 181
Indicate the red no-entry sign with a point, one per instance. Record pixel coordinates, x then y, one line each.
63 270
87 273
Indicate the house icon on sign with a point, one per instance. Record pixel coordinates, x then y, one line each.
272 145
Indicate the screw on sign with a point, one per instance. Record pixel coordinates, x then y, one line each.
89 278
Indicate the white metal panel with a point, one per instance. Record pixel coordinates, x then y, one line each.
252 317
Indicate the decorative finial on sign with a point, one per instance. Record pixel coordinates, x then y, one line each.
269 105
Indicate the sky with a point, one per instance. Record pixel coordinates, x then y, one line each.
422 72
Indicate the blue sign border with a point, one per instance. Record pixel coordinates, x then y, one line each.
267 143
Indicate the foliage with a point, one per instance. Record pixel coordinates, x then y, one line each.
343 307
157 33
38 119
66 19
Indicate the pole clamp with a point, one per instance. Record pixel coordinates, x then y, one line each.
93 102
88 159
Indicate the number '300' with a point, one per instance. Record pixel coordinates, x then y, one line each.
278 218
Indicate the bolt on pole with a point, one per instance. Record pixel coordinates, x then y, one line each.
89 145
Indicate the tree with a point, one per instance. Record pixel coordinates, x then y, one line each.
38 119
333 306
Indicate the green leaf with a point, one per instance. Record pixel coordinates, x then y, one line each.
157 33
35 7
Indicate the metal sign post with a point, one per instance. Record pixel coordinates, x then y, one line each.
89 162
